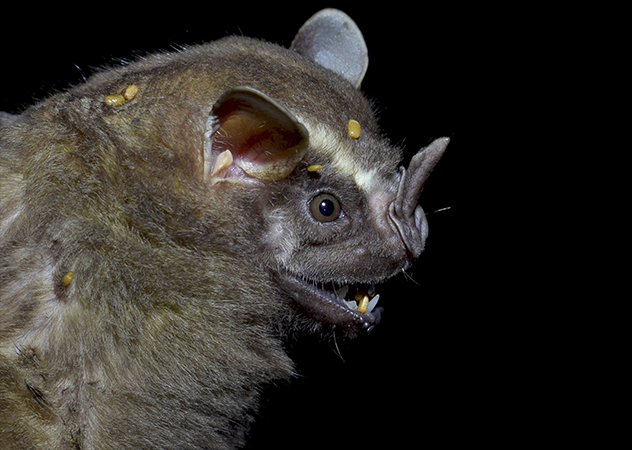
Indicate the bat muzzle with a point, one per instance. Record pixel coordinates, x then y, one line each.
405 214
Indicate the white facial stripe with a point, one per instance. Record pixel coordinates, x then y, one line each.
366 180
326 140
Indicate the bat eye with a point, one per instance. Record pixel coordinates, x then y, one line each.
325 207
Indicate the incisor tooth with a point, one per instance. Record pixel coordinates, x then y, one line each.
373 303
363 304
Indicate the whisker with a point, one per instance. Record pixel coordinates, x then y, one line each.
440 209
337 351
409 277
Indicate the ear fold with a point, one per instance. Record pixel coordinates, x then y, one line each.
334 41
254 133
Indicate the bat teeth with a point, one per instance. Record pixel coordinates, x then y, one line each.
363 301
342 292
372 304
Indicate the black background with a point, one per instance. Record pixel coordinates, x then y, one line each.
453 361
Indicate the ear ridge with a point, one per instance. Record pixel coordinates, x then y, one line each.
262 138
333 40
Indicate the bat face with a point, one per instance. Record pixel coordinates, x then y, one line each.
340 216
351 234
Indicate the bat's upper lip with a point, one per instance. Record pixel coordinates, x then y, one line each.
325 305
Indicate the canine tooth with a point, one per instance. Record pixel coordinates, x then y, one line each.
373 303
363 304
342 292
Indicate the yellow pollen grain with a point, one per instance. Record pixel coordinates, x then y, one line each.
130 92
363 305
314 168
354 129
67 279
114 100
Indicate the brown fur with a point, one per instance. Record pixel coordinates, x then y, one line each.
173 317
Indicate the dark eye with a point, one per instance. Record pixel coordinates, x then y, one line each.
325 207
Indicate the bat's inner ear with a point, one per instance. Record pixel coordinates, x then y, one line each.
251 134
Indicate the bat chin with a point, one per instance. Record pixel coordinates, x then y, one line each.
352 307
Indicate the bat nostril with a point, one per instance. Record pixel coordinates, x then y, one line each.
421 223
409 229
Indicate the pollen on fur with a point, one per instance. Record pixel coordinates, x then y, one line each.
67 279
130 92
114 100
354 129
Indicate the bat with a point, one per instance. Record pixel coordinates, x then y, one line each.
166 226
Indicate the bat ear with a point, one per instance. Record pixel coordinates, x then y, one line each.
251 132
334 41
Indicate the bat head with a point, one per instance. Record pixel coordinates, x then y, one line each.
336 215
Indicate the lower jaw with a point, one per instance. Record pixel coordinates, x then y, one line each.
323 306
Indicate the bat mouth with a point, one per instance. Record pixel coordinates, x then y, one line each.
335 303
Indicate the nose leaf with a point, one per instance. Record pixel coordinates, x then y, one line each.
407 216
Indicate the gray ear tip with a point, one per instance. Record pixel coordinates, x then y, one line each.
331 38
440 144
